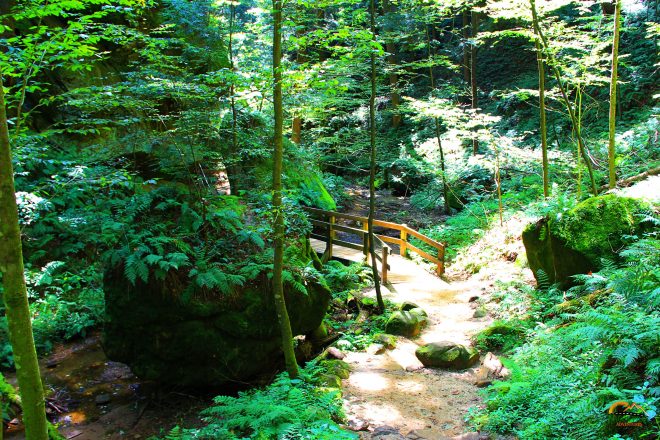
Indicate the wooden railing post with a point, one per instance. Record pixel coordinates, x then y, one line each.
330 234
365 239
404 240
386 251
441 260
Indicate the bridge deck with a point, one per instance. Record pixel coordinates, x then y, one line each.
402 270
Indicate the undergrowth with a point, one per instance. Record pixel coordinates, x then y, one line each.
287 409
573 364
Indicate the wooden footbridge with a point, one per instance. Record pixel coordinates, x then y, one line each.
350 240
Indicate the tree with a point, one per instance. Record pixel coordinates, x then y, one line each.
436 120
372 165
562 89
278 222
542 123
389 9
473 72
15 293
611 151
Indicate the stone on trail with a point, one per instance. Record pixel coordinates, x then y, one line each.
407 305
447 355
388 341
386 433
407 323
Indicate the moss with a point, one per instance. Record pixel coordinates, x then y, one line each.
597 227
500 336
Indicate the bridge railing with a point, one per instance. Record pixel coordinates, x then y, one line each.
327 220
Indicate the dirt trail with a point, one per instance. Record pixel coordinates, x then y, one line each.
393 388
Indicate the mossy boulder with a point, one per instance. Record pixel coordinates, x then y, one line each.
447 355
208 339
334 371
565 244
407 323
501 336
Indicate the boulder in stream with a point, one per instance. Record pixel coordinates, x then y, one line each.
207 340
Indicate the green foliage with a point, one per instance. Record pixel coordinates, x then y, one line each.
575 366
289 409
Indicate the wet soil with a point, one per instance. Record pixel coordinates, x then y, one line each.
93 398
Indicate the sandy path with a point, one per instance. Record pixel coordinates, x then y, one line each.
394 388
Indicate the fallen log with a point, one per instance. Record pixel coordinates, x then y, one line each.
630 180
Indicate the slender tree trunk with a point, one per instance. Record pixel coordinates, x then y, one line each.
445 187
466 45
234 170
15 293
473 73
498 180
394 78
372 174
543 125
564 95
611 151
278 226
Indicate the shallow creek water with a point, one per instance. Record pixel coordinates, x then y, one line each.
91 397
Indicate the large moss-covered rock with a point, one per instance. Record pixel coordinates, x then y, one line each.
407 323
207 340
565 244
447 355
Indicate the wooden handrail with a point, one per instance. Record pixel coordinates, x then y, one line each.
402 241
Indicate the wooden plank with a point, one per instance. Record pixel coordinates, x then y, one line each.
388 225
336 227
425 239
321 212
342 243
423 254
388 239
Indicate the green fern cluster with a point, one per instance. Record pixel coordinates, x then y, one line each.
287 409
575 365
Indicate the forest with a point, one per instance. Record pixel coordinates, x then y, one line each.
330 219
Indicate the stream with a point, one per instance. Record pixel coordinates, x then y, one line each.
92 398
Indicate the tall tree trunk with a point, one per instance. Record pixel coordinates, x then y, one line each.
278 223
445 187
394 78
372 167
611 151
543 125
564 95
15 293
234 170
473 73
466 45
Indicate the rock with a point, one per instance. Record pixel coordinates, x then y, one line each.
407 305
386 433
500 336
473 298
102 399
207 340
388 341
569 243
481 312
419 311
334 352
407 323
447 355
491 369
357 425
376 349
